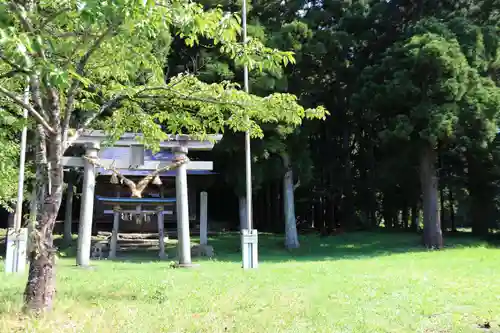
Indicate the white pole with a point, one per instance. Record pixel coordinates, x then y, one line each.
22 161
17 237
248 236
248 157
86 209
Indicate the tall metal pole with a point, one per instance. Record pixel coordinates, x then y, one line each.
17 237
249 236
22 161
248 158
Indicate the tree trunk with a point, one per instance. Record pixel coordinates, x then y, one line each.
415 217
452 210
40 288
348 201
269 212
291 235
433 237
442 209
405 215
480 192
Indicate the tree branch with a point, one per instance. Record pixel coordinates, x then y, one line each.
107 106
13 64
297 184
10 74
20 12
52 18
80 69
35 94
28 107
193 99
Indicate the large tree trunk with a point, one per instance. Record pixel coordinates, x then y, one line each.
433 237
291 235
40 288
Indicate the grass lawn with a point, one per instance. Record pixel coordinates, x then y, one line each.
361 282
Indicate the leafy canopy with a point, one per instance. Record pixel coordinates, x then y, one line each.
106 60
434 85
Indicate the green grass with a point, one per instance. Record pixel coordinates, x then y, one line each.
362 282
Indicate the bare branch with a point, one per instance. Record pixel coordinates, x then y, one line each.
80 69
28 107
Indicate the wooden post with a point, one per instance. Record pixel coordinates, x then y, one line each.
87 208
161 232
68 218
203 218
114 233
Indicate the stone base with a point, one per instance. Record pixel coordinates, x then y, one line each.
249 248
15 258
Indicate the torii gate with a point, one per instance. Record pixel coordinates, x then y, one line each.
179 144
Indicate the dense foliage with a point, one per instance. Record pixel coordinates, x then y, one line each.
413 92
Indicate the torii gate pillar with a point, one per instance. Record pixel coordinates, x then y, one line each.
87 207
181 189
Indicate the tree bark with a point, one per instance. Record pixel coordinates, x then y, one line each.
40 288
433 237
291 235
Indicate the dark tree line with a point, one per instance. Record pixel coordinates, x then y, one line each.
412 90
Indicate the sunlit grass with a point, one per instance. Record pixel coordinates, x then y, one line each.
359 282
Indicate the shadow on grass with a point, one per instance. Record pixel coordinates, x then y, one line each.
357 245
